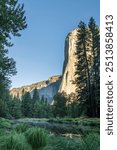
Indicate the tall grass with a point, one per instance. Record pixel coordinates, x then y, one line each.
63 143
4 123
21 128
90 142
37 138
14 141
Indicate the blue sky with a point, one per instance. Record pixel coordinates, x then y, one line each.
39 52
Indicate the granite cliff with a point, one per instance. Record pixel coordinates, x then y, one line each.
56 84
69 62
46 88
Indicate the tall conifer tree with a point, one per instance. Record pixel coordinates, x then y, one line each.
12 21
87 67
95 74
27 105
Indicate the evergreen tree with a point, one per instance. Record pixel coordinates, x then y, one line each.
59 106
42 110
82 73
12 21
87 68
35 97
26 105
7 69
3 108
42 99
35 100
4 104
15 108
37 113
95 74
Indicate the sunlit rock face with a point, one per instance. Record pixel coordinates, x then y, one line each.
47 88
69 63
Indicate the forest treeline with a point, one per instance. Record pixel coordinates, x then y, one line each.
86 100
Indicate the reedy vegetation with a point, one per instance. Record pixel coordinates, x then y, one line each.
22 138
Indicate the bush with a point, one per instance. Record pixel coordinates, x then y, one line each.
21 128
36 137
14 141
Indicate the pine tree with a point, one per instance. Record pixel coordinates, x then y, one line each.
7 69
12 21
3 109
35 97
35 102
59 106
42 99
95 74
82 73
15 108
87 68
26 105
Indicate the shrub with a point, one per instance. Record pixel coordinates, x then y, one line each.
36 137
14 141
21 128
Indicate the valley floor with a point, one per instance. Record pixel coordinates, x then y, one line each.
62 133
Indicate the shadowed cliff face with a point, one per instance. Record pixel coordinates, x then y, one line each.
69 62
47 88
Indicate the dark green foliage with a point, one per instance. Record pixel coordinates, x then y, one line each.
33 107
36 137
35 103
27 105
7 69
14 141
95 73
42 110
82 75
5 104
3 108
42 99
59 106
15 108
12 21
35 97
